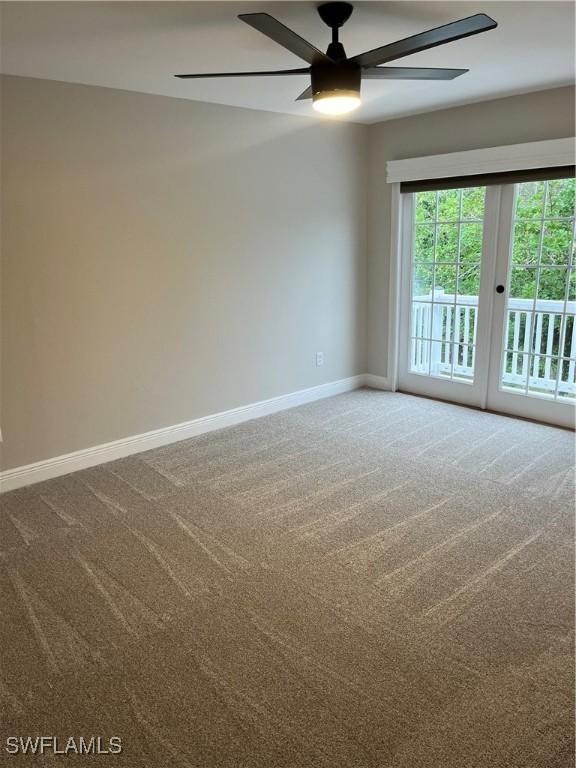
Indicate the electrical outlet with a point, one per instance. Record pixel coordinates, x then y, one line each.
319 359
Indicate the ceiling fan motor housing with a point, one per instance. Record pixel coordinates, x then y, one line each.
337 79
335 14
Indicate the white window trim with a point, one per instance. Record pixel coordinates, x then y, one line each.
514 157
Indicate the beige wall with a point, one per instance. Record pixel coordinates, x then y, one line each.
165 259
517 119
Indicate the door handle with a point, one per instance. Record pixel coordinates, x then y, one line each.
500 289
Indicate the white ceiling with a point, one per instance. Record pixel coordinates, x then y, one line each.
138 46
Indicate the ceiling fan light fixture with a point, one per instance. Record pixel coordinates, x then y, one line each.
337 102
335 88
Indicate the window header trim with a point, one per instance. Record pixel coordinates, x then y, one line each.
491 160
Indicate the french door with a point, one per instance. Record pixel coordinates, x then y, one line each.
488 304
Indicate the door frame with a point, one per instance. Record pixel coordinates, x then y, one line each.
486 391
538 154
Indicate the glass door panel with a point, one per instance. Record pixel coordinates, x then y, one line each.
442 322
445 273
540 342
534 338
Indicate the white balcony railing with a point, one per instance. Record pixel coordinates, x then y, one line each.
444 341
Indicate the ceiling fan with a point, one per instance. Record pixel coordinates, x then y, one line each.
335 87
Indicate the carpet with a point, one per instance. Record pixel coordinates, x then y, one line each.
373 580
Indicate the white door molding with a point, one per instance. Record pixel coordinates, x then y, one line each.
394 289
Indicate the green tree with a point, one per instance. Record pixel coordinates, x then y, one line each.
448 240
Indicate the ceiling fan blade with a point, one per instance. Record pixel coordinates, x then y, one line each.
307 94
302 71
411 73
284 36
447 33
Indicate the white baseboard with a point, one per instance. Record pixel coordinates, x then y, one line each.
376 382
11 479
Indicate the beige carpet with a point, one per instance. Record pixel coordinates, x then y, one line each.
370 581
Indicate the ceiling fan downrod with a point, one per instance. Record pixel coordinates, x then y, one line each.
335 15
